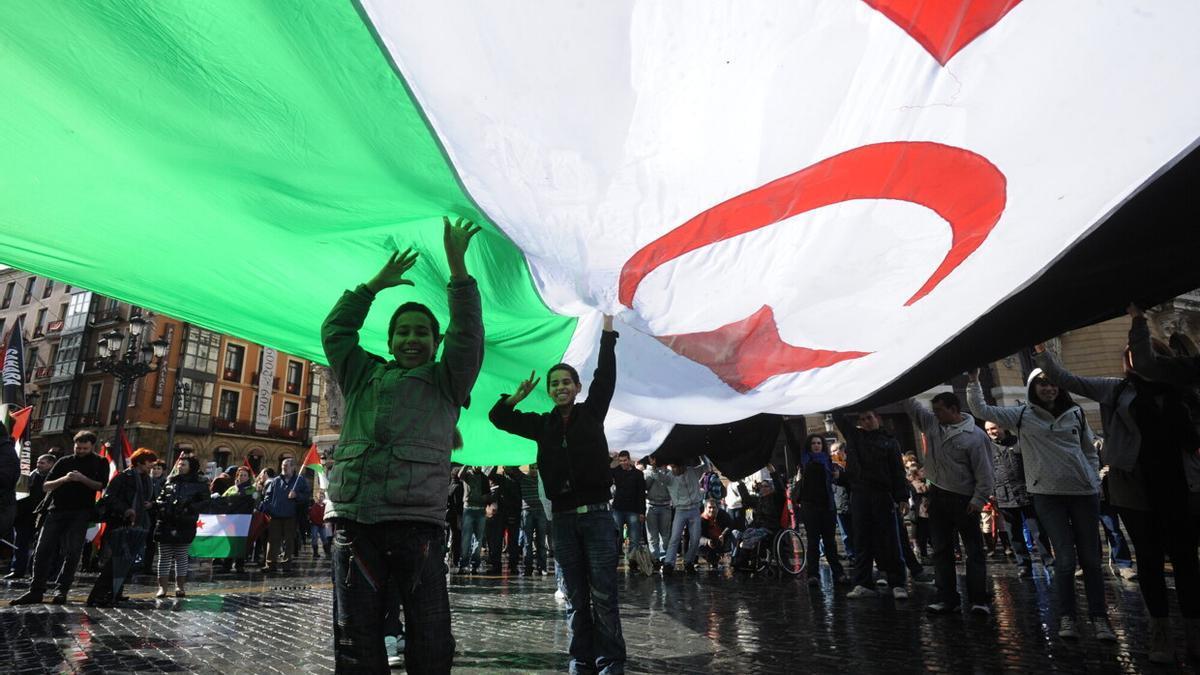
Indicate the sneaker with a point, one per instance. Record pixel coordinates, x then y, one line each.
899 593
922 577
395 650
29 598
1128 573
941 607
981 609
1079 573
1103 629
1024 572
861 592
881 582
560 596
543 572
1067 629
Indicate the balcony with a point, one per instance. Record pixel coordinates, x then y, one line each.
106 316
274 381
54 327
293 388
276 431
232 375
35 425
43 372
220 425
85 420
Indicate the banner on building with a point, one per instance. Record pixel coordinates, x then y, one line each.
266 378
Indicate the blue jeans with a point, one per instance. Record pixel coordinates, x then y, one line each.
587 554
533 526
370 564
689 518
1071 520
658 523
843 519
1118 548
472 536
631 520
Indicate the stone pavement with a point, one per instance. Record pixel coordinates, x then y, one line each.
687 624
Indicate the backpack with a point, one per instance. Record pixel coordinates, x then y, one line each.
711 486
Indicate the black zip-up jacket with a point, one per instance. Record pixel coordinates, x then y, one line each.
573 458
872 461
630 493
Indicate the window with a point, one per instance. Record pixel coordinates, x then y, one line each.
67 289
69 354
195 408
30 362
8 293
200 350
228 408
93 398
48 288
62 312
235 357
291 415
77 313
28 290
295 373
39 326
55 408
2 320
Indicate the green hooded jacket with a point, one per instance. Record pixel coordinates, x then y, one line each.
392 461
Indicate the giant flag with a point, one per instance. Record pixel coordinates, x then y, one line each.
789 206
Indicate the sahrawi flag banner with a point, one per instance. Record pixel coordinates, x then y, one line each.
789 207
220 535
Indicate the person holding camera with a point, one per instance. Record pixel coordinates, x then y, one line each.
572 456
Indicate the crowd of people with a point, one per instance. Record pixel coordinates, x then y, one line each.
1033 481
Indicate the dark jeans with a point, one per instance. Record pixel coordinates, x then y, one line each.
948 518
534 524
366 560
61 539
498 527
874 532
819 527
23 542
1016 519
1156 535
907 555
586 551
1072 522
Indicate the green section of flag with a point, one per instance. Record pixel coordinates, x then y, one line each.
238 164
217 547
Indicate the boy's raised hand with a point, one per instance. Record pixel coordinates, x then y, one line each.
457 238
523 389
393 271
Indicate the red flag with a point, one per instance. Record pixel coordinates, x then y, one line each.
126 448
20 421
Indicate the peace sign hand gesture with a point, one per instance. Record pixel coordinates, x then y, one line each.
392 273
523 390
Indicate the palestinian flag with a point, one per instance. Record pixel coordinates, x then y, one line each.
790 207
312 460
220 535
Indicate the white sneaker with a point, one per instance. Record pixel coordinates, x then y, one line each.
861 592
560 596
899 593
982 610
1128 573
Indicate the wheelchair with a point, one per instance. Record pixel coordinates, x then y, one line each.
758 551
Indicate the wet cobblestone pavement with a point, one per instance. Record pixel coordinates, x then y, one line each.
246 623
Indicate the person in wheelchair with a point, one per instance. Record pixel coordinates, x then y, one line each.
716 534
764 504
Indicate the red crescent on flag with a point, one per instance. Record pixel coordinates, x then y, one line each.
943 28
964 188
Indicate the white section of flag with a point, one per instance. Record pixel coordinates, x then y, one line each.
223 525
587 130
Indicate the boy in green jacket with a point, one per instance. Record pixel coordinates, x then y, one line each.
391 474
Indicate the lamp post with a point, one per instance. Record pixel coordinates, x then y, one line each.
127 361
181 394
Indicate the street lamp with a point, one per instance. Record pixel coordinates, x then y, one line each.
181 394
127 361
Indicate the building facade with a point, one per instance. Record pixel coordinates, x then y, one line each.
227 399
